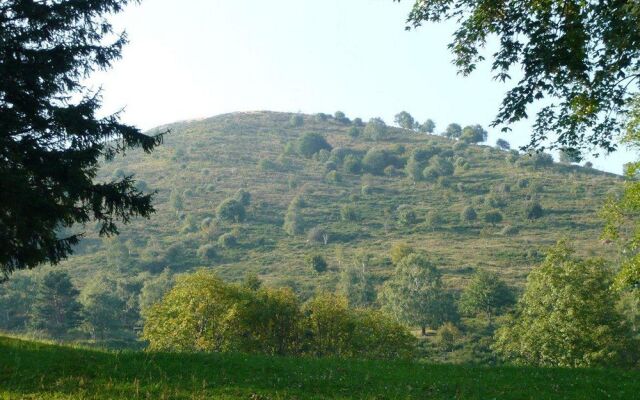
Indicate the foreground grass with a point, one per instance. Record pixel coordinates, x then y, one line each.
30 370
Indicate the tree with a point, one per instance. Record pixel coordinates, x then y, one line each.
566 316
428 126
154 289
474 134
453 131
356 284
503 144
102 309
341 117
469 214
376 129
231 210
52 140
585 56
416 295
16 298
487 294
404 120
310 143
493 217
570 156
55 308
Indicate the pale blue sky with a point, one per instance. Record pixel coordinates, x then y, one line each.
199 58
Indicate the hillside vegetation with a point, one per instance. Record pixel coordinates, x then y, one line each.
321 205
204 162
46 371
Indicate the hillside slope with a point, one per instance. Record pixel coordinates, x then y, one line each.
43 371
204 162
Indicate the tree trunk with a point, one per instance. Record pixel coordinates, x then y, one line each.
424 330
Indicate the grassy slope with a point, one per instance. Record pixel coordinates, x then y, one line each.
213 158
42 371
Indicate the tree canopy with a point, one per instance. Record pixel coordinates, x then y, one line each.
581 59
566 316
52 139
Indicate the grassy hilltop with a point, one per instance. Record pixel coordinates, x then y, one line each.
206 161
32 370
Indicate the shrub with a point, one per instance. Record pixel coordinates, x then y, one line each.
414 169
445 181
293 223
366 190
390 170
469 214
493 217
296 120
202 313
406 216
298 202
333 177
341 117
227 241
523 183
375 161
267 165
459 146
447 336
207 252
509 230
231 210
311 143
317 262
243 197
322 156
400 251
376 129
434 219
533 210
495 201
330 166
289 149
336 330
355 132
358 122
348 212
318 234
351 164
321 117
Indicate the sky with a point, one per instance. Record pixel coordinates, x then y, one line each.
199 58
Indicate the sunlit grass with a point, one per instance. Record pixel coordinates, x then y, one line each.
36 370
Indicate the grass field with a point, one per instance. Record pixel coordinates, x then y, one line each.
33 370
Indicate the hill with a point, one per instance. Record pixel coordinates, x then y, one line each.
47 371
204 162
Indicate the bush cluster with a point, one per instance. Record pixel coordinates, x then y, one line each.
203 313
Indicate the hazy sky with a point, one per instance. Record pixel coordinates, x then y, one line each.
199 58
